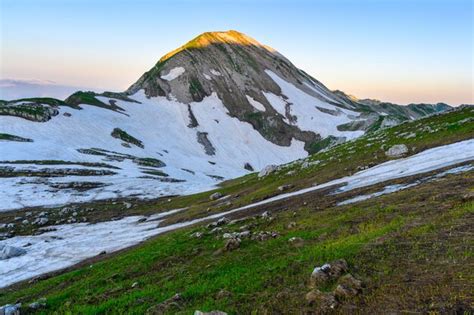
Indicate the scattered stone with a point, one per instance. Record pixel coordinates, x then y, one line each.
264 235
66 114
468 196
266 215
222 221
127 205
7 252
267 170
397 150
38 304
348 287
197 312
296 241
102 253
291 225
323 301
307 164
40 221
135 284
238 235
284 187
215 230
232 244
162 308
197 234
25 222
216 196
291 173
141 220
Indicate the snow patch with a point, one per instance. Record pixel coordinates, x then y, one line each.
173 74
257 105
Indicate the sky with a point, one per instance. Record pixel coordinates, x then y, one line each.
401 51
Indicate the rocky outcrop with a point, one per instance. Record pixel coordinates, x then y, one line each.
397 150
30 111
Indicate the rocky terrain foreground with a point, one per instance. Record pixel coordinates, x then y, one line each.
379 224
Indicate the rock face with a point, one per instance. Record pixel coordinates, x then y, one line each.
397 150
7 252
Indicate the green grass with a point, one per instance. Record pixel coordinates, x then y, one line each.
256 273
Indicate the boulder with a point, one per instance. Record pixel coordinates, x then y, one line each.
232 244
284 187
267 170
215 196
328 271
7 252
40 221
10 309
347 287
397 150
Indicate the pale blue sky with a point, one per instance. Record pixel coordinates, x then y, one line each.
402 51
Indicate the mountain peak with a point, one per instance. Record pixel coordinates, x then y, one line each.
214 38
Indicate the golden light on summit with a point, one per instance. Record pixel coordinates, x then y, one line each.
210 38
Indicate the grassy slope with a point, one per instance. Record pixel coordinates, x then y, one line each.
380 238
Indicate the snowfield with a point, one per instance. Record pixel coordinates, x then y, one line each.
304 108
69 244
161 125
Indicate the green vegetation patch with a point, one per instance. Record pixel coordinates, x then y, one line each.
124 136
9 137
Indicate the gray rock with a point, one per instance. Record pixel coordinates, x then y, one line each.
267 170
348 287
215 196
38 304
232 244
40 221
7 252
284 187
10 309
197 312
397 150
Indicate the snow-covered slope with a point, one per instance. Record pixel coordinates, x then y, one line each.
216 108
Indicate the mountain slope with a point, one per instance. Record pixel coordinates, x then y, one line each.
216 108
405 234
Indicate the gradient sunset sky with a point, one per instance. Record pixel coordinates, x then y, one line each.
401 51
